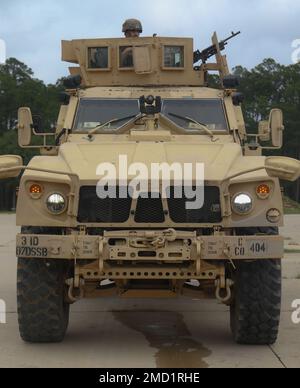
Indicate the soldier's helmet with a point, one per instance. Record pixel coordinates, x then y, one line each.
132 25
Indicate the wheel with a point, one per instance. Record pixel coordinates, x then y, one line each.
42 309
255 312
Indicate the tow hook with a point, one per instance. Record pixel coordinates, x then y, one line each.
224 294
154 240
75 293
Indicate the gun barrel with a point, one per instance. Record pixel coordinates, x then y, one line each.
212 50
233 35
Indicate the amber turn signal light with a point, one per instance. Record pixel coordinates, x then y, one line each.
36 191
263 191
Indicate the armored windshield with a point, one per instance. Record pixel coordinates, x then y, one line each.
94 112
209 112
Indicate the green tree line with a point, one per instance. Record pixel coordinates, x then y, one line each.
19 87
271 85
268 85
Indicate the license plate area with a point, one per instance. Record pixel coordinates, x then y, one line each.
251 248
30 246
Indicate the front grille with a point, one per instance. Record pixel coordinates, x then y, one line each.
209 213
93 209
149 210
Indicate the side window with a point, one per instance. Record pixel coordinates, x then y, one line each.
126 57
173 57
98 58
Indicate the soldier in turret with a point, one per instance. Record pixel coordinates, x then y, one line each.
132 28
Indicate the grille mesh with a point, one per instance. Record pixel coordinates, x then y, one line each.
209 213
149 210
92 209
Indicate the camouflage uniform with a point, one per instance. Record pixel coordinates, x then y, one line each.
132 28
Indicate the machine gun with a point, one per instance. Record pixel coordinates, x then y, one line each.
213 50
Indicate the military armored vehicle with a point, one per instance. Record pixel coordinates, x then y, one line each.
144 102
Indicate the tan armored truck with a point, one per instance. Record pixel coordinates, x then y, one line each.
133 106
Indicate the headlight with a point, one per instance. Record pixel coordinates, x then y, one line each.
242 203
56 203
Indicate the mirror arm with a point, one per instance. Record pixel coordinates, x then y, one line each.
257 137
42 134
44 145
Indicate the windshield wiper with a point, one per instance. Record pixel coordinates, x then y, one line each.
200 125
113 121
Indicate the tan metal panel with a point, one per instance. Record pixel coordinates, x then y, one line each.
156 72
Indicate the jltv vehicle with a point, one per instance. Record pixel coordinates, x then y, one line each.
145 101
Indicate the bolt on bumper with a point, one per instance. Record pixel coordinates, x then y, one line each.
144 246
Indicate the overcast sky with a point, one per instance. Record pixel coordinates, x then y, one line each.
33 29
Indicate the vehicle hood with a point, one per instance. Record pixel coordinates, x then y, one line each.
220 160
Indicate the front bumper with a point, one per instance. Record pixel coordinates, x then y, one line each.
164 255
144 246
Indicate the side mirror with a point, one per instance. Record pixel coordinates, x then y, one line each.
10 166
284 168
276 127
25 125
272 129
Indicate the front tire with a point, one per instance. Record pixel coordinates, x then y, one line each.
42 310
255 312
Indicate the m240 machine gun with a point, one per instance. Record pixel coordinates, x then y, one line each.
212 50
